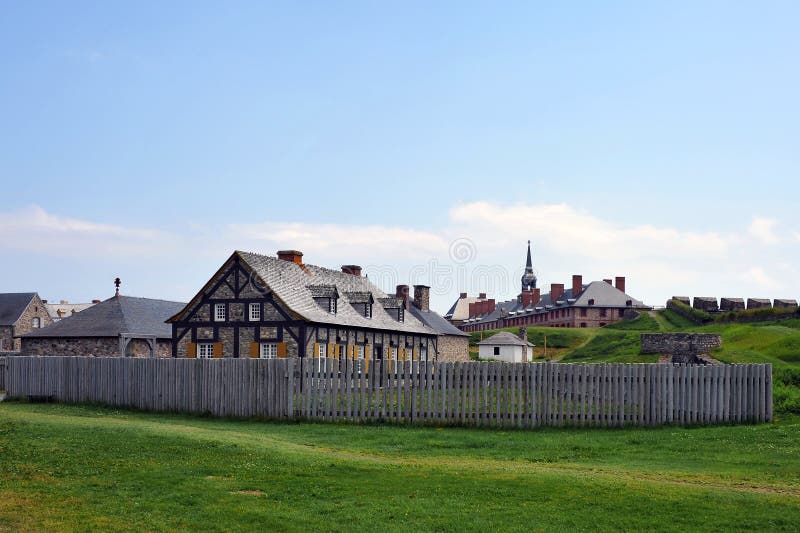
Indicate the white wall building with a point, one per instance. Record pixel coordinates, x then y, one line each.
505 347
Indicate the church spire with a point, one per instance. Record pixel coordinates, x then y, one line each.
529 277
529 264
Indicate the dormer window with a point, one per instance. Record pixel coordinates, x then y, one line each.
394 307
368 310
361 302
326 297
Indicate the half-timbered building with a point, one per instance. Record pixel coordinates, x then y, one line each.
263 306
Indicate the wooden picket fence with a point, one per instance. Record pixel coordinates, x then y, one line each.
521 395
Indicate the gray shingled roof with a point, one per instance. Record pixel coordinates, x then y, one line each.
12 304
603 294
119 314
436 322
505 338
290 282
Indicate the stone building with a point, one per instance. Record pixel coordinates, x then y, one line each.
595 304
261 306
122 326
453 344
20 313
64 308
505 346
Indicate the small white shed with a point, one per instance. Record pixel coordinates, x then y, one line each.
506 347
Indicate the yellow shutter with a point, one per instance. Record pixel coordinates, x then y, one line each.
316 350
415 354
217 350
335 349
255 350
366 364
366 351
281 350
191 350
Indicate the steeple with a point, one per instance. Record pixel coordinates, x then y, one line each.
528 278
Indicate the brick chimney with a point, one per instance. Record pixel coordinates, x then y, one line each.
355 270
620 283
527 298
577 285
608 281
422 297
402 292
482 295
489 306
462 295
556 291
95 301
293 256
473 309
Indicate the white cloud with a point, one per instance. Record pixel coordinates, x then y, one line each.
658 261
762 229
35 230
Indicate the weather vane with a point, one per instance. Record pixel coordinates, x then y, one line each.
117 283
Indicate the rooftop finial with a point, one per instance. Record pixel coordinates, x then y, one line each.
117 283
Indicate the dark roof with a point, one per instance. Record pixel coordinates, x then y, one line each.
290 283
119 314
604 295
434 321
505 338
12 305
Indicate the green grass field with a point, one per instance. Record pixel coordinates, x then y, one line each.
87 468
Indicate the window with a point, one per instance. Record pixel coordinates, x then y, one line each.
497 350
368 310
205 349
423 354
255 312
332 306
583 311
219 312
269 350
322 350
393 353
37 322
583 324
621 313
603 312
360 352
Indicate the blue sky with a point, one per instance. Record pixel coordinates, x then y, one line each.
148 141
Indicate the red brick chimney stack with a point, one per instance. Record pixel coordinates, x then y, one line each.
620 283
489 306
556 291
293 256
537 296
355 270
577 285
482 295
402 292
462 295
608 281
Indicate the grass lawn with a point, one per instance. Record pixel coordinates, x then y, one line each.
84 468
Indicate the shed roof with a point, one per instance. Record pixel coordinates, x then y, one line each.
110 318
504 338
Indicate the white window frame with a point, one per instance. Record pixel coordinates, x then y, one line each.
205 350
332 306
423 353
393 353
254 312
268 350
322 350
36 323
359 352
219 313
367 310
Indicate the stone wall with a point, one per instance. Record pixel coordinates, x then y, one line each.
680 343
91 347
453 348
6 338
706 303
731 304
